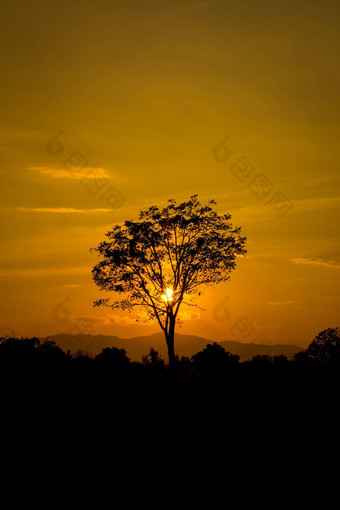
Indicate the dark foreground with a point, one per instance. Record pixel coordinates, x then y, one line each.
211 414
40 379
209 421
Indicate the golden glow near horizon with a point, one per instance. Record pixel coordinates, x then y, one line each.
112 106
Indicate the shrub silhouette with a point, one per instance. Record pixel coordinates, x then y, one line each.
113 359
153 360
214 358
18 350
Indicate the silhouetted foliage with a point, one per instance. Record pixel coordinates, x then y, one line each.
214 358
114 359
280 360
18 350
180 250
262 360
153 360
326 346
212 377
51 352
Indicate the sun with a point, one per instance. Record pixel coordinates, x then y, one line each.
168 296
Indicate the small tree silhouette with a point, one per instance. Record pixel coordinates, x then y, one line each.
214 358
153 360
165 259
114 359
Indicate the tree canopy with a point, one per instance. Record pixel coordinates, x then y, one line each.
326 346
166 259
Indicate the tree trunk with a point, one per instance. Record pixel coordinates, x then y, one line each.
170 342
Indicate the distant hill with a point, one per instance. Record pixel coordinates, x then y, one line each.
186 345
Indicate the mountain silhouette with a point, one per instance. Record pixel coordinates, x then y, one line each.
186 345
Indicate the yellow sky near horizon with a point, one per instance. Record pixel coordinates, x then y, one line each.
109 107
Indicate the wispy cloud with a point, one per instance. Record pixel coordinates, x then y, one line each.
187 316
86 323
142 319
120 320
41 272
63 173
317 203
93 323
61 210
277 303
315 261
72 285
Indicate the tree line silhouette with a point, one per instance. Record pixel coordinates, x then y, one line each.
31 369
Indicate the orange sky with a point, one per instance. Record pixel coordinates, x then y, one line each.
139 97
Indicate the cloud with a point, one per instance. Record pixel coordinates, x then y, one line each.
187 316
142 319
275 303
93 322
315 261
120 320
85 323
90 323
317 203
72 285
64 173
43 271
253 213
61 210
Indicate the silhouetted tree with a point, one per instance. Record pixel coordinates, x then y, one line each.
301 357
214 358
165 259
153 359
113 358
17 351
49 351
184 363
280 360
262 360
326 346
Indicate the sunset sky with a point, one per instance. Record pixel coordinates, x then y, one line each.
144 101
